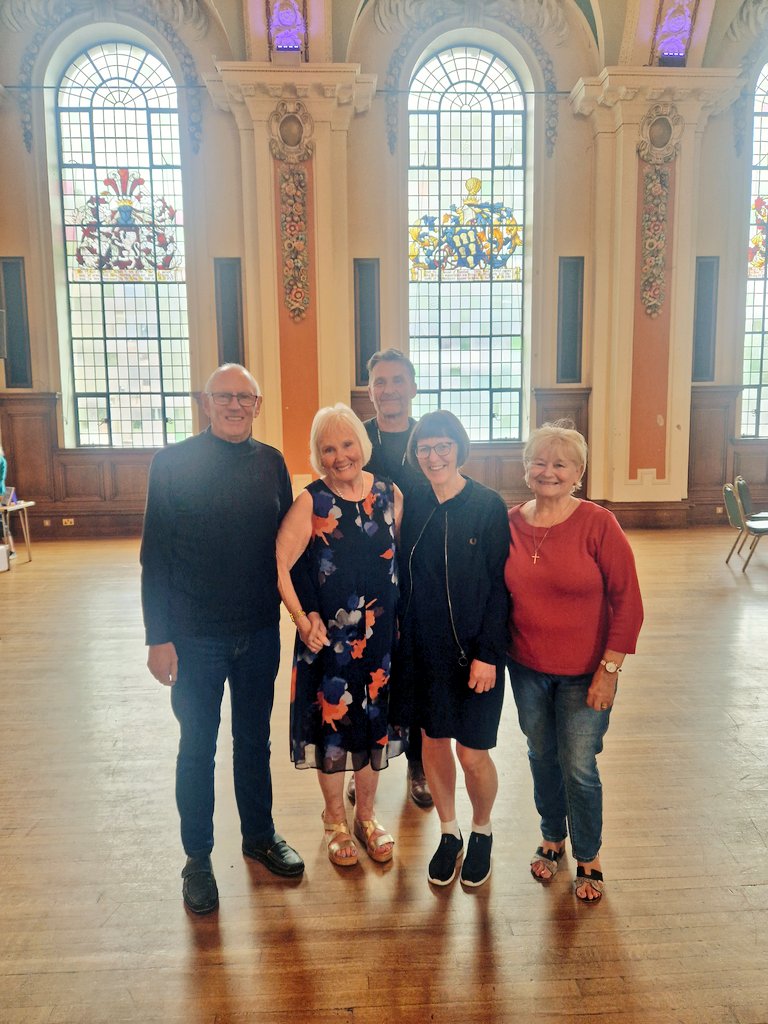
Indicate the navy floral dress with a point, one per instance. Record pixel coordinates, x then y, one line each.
340 696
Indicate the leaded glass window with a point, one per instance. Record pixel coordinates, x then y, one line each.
118 129
466 191
754 399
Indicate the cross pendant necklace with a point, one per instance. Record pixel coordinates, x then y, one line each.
537 543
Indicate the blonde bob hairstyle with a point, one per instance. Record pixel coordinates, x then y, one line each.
333 417
560 434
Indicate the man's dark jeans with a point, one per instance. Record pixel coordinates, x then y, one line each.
250 663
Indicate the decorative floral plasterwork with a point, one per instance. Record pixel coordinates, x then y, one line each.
18 14
294 241
660 132
291 127
542 15
654 238
631 19
424 14
61 11
751 20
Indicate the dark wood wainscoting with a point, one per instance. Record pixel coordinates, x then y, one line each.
102 490
718 456
750 460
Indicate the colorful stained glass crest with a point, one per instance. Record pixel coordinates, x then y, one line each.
127 232
474 236
756 248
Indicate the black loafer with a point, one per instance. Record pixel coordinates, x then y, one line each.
476 868
275 854
199 890
442 867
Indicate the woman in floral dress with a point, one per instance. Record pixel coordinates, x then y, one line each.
337 573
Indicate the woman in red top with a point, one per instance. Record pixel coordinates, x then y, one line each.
576 613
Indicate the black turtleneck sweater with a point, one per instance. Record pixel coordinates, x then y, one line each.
208 547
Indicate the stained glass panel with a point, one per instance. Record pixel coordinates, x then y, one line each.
465 239
124 243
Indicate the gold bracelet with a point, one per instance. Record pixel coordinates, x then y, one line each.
298 615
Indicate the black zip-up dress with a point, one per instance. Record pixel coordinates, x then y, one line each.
454 608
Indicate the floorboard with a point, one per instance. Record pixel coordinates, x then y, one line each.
93 929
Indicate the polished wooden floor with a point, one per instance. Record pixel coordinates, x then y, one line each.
92 927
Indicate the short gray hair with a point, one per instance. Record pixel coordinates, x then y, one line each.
333 416
561 433
232 366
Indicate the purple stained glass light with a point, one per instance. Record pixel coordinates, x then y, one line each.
674 28
288 26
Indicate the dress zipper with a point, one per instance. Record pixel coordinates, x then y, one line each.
463 661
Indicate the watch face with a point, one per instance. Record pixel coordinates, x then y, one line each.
611 666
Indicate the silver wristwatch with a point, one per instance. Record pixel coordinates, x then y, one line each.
610 666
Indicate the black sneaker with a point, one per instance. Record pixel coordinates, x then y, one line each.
476 868
200 892
442 867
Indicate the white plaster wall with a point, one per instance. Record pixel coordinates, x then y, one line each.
722 228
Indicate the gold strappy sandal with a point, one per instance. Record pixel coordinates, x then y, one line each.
366 830
338 838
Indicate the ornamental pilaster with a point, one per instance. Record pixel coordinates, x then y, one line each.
293 123
647 125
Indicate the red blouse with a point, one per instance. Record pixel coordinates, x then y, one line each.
578 599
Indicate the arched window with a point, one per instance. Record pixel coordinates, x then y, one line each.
754 399
466 189
121 197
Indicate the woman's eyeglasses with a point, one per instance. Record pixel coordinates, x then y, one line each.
423 450
244 399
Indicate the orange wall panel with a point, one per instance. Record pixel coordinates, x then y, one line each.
298 336
649 415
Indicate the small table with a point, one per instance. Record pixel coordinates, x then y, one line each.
20 507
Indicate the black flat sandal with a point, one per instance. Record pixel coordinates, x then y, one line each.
595 879
550 859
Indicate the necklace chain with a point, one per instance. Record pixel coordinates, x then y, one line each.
378 434
537 543
340 495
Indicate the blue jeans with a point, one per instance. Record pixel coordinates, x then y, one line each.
250 663
564 738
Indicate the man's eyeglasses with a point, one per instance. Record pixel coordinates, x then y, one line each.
244 398
423 450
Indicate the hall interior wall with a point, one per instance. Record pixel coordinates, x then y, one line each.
580 193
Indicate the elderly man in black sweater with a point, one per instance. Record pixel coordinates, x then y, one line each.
211 612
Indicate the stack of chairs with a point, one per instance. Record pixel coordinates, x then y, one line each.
743 517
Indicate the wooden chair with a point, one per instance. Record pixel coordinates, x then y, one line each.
754 528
